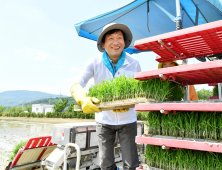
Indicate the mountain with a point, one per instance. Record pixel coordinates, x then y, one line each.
50 101
17 97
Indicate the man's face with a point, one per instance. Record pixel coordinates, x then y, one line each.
114 44
169 64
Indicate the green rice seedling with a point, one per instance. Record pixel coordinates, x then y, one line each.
152 119
201 125
16 149
181 125
124 88
213 126
181 159
164 125
219 122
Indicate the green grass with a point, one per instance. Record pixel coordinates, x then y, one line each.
16 149
200 125
124 88
181 159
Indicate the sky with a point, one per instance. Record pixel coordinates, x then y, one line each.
40 49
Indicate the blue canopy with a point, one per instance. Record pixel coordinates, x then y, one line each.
147 18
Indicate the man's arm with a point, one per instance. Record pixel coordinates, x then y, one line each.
86 73
78 92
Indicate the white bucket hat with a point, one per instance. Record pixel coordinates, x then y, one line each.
127 34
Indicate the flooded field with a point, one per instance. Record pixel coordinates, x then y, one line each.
13 130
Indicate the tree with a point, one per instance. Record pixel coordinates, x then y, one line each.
60 106
204 94
2 108
12 109
19 109
71 107
28 108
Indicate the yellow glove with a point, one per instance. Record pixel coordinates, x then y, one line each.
80 96
121 110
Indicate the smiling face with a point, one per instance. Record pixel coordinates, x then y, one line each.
169 64
114 44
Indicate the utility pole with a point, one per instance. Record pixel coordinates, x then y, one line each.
60 97
50 100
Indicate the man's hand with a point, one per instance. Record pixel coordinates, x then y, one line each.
80 96
88 105
121 110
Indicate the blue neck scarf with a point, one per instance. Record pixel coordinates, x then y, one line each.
108 63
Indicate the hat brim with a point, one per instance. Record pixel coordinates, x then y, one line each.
160 65
128 35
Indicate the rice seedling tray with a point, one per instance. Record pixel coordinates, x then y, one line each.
185 43
147 167
125 92
185 124
172 159
165 107
118 104
200 73
123 87
180 143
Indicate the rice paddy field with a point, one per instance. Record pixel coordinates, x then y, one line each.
182 159
127 88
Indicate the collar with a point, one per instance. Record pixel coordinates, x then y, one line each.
108 63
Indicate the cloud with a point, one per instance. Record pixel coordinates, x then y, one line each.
34 53
75 69
42 55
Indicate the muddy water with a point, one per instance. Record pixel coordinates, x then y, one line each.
13 130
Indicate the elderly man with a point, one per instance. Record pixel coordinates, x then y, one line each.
111 63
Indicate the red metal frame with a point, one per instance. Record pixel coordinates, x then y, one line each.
212 84
209 107
38 142
191 42
194 145
214 97
200 73
34 143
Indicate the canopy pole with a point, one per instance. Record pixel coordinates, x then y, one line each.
179 25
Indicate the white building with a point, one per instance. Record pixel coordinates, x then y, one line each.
42 108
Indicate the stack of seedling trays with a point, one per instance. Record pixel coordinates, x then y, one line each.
185 134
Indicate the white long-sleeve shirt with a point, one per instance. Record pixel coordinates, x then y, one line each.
96 68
